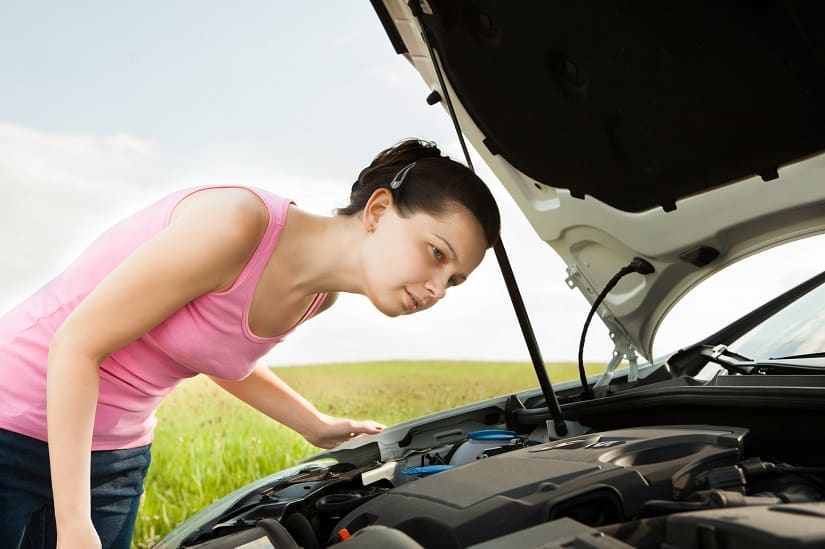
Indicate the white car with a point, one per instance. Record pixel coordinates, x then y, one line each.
650 145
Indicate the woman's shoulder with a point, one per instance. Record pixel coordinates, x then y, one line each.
227 223
239 209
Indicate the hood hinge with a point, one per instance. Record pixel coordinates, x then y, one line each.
622 348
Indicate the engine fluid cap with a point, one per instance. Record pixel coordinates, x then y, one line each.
492 434
426 470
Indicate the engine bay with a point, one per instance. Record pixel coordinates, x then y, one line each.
676 486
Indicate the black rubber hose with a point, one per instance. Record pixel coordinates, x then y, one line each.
638 265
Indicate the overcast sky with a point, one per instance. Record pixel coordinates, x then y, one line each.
106 106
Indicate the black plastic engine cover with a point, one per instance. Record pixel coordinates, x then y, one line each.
595 479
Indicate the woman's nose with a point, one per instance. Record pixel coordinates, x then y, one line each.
436 288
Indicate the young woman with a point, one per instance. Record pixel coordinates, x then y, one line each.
207 280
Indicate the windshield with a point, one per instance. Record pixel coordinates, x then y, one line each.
798 329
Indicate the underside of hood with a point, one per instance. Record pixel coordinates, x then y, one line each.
687 134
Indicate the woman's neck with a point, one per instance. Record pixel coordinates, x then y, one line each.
319 253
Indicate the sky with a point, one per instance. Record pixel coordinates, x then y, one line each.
106 107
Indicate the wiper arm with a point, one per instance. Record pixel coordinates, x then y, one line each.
735 363
729 360
721 352
809 355
787 368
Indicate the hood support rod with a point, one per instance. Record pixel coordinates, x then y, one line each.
530 339
501 255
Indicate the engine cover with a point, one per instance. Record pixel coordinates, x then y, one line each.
596 479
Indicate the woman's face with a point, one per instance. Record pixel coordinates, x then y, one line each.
410 262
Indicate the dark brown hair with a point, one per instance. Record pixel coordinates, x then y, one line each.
432 185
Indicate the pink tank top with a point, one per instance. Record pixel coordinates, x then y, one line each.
209 335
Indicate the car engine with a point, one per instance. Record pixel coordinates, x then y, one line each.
659 486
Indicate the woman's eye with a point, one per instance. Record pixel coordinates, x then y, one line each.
437 253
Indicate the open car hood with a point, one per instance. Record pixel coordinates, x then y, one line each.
689 135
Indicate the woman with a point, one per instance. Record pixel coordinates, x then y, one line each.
206 281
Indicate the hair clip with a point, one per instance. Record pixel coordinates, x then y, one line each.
398 180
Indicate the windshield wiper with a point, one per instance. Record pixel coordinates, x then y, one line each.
727 359
738 364
762 368
809 355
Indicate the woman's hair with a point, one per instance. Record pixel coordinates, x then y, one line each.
422 180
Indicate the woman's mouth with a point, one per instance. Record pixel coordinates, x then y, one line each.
411 302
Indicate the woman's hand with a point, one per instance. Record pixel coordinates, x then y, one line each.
332 431
77 535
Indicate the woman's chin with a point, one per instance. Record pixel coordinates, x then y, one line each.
391 312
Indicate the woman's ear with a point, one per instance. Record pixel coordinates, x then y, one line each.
378 204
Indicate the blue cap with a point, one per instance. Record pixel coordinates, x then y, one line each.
491 434
428 470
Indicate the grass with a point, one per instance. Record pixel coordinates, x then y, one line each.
208 444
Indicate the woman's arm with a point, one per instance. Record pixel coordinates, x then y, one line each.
268 393
203 249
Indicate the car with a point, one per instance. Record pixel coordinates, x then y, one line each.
650 146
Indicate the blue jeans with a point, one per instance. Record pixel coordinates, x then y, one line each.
26 506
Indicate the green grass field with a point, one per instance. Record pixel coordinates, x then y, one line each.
208 444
